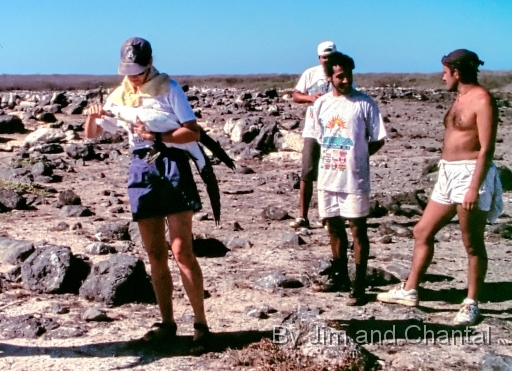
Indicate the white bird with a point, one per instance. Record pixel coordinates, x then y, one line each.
158 122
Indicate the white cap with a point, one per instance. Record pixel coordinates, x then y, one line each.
326 48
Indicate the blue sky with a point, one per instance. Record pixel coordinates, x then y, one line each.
203 37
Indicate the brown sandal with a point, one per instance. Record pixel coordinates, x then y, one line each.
161 332
202 343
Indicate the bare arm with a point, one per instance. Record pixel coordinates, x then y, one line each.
299 97
190 131
373 147
487 124
92 130
486 112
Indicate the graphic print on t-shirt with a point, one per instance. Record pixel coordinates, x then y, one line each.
335 147
334 159
334 152
336 121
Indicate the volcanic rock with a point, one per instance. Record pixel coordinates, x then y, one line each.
120 279
11 124
15 251
54 269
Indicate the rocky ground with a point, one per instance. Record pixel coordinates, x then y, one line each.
257 272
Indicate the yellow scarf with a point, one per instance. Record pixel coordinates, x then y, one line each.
156 84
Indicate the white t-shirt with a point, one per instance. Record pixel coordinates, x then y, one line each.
174 103
312 81
346 125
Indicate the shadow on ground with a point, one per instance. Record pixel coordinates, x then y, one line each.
145 353
434 277
5 140
494 292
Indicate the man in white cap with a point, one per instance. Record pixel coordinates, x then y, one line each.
312 84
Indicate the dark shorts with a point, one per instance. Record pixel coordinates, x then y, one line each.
310 158
155 192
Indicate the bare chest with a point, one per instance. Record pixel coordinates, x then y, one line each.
460 117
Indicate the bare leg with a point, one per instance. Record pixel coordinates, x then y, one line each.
359 230
338 236
435 217
472 226
152 231
306 193
180 230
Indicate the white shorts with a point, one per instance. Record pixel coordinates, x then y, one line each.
454 180
346 205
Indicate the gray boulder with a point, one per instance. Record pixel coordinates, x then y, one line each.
14 251
80 151
118 280
54 270
276 280
495 362
113 231
134 233
69 197
291 239
42 168
59 98
99 248
47 148
47 117
264 141
73 109
10 199
274 213
69 211
26 326
10 124
238 243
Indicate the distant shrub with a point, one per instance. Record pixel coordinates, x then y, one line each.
286 82
57 82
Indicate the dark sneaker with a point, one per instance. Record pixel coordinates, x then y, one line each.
202 341
335 283
300 223
160 332
335 266
356 299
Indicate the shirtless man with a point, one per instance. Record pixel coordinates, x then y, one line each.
468 185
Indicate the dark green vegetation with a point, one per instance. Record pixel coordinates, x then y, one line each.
501 80
23 187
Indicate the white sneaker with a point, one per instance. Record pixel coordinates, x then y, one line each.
468 313
400 296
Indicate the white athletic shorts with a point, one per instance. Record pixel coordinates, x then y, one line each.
454 180
346 205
